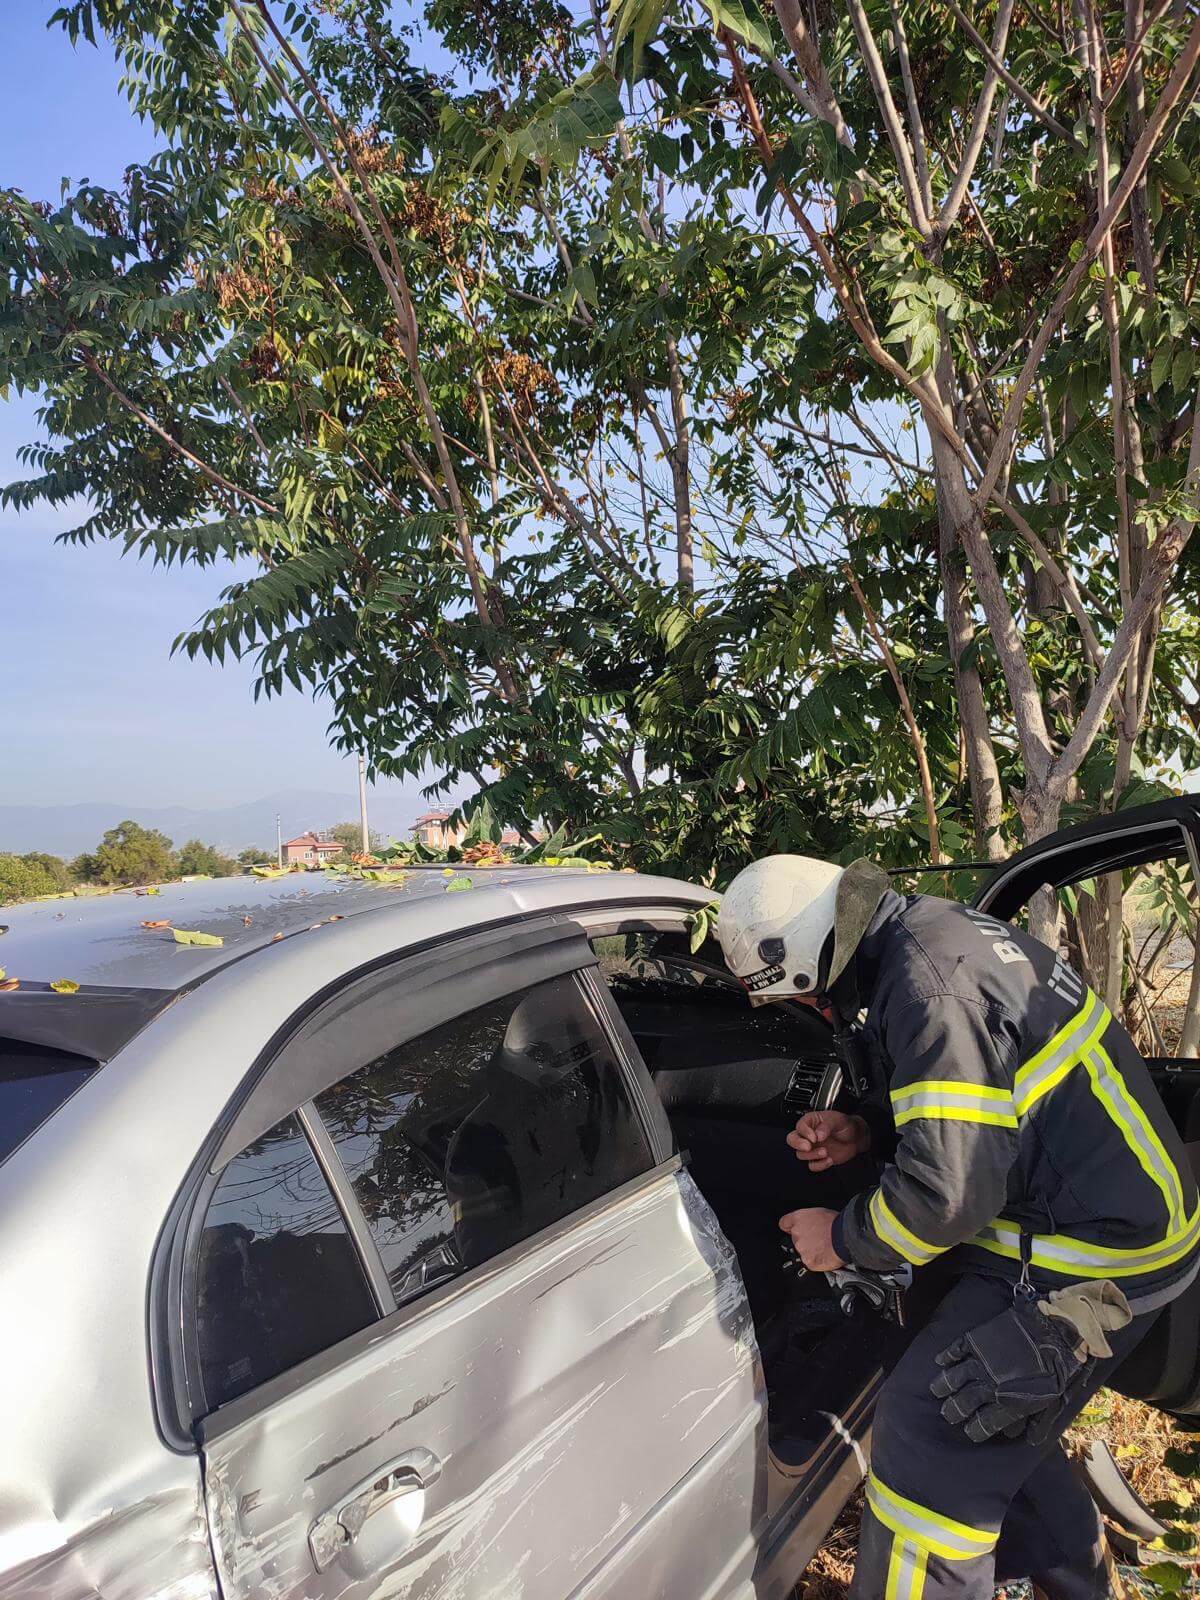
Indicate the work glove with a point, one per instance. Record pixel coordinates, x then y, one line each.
1017 1374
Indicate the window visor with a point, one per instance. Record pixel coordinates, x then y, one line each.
379 1010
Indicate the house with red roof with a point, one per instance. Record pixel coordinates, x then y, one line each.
434 831
310 850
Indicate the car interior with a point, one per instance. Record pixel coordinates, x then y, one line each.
733 1080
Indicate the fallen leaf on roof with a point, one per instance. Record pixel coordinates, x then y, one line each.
268 872
337 917
189 936
276 936
163 922
3 974
9 984
456 885
247 921
65 986
147 891
3 927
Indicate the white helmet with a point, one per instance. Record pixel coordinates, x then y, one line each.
778 915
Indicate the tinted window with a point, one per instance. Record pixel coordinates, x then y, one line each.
483 1131
278 1278
34 1082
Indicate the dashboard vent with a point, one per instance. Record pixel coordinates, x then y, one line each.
813 1085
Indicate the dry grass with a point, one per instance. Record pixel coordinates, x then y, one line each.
1137 1435
828 1575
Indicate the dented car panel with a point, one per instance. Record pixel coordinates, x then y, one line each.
560 1399
584 1416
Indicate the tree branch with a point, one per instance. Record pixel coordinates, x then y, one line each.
211 473
915 119
979 125
1029 101
824 102
1134 169
1163 555
892 122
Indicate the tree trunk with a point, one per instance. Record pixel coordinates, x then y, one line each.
1040 813
983 774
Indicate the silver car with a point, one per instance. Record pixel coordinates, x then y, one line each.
417 1242
359 1255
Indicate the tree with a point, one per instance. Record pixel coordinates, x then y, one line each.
736 435
130 853
349 836
198 858
53 867
252 855
27 876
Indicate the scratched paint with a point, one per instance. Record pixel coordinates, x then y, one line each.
575 1395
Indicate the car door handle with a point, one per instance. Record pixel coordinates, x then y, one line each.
403 1479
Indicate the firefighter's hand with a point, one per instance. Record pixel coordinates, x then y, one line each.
826 1139
812 1238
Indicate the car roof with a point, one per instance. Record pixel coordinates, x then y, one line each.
102 941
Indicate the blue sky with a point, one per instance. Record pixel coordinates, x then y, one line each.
95 707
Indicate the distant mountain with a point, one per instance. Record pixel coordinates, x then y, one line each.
66 830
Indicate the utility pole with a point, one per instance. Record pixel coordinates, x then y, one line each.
362 804
278 841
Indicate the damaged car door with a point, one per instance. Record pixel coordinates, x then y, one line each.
457 1323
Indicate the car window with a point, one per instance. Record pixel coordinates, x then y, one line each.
278 1277
483 1131
34 1082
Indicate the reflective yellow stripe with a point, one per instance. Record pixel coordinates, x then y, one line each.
1080 1258
942 1099
980 1091
906 1571
929 1530
893 1232
1043 1071
1109 1088
952 1113
1077 1043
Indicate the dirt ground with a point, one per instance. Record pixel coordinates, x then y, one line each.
1137 1435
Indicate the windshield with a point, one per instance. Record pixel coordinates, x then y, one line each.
34 1082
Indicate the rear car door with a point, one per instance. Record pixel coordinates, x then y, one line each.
455 1322
1127 887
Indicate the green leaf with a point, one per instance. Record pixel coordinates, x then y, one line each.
743 22
188 936
1177 173
62 985
701 924
457 884
1165 1575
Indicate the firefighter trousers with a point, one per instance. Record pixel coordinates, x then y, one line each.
949 1518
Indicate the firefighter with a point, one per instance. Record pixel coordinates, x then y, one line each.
1014 1122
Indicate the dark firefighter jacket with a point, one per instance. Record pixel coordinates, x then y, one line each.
1019 1104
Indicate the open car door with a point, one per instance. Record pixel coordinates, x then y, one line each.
1128 893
